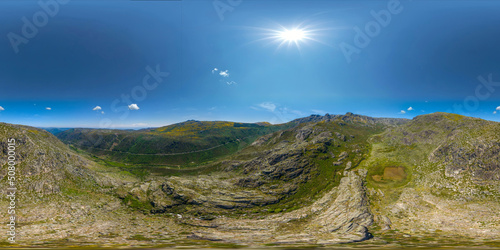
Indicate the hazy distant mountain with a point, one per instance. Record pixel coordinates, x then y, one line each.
55 131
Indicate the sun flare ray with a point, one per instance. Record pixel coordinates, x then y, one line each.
290 37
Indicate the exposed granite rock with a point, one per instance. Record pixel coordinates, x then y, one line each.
349 213
262 140
340 136
348 165
203 191
386 222
343 155
304 132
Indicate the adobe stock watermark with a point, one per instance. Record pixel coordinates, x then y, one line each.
483 91
223 6
372 29
127 102
40 19
11 190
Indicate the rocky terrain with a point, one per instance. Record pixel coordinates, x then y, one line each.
317 181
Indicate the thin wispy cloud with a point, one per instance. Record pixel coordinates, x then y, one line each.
133 107
214 70
318 111
269 106
1 108
402 112
494 112
97 108
141 124
279 112
48 108
285 110
410 109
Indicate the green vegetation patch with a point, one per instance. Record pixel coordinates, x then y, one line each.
137 204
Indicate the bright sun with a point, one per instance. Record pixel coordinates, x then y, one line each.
293 35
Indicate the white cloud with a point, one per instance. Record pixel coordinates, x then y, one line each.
410 109
224 73
102 112
498 108
133 107
224 76
48 108
494 112
97 108
1 108
269 106
403 112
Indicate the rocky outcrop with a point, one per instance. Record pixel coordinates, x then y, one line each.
207 192
480 158
304 132
349 214
340 136
342 215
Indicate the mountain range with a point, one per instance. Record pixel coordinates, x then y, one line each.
315 181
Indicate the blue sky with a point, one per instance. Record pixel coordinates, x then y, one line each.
232 60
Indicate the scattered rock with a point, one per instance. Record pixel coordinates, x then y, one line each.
348 165
343 155
340 136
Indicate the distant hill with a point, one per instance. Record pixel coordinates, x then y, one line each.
190 142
